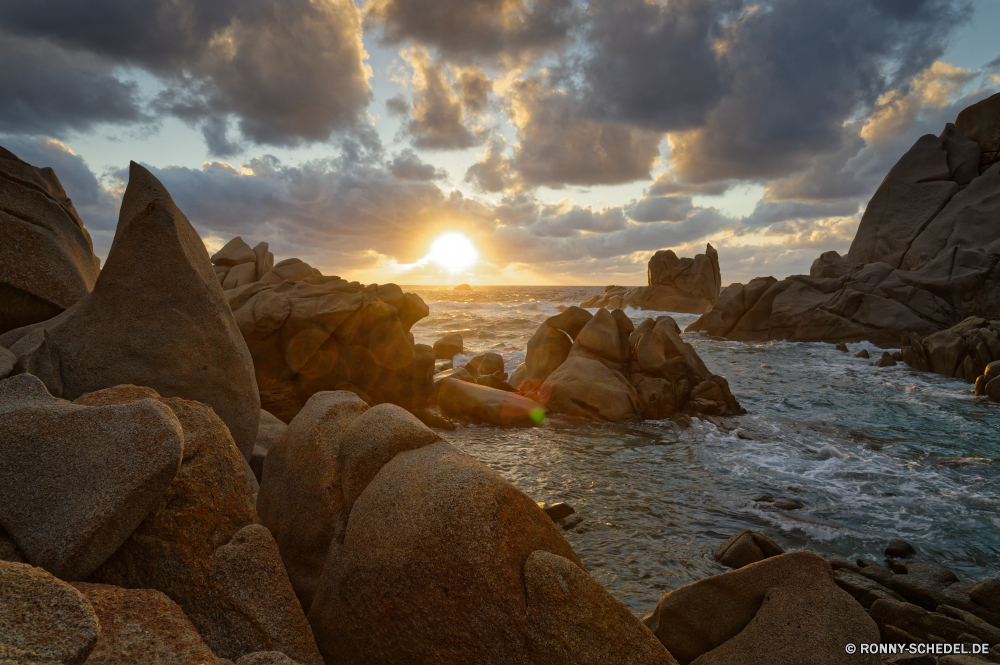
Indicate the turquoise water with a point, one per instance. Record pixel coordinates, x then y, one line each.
874 454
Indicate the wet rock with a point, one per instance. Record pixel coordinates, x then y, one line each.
587 388
785 609
864 589
449 346
43 619
746 547
481 404
76 481
202 545
271 429
963 351
47 261
885 361
863 353
557 511
443 365
897 356
470 533
161 323
842 347
485 363
900 549
143 626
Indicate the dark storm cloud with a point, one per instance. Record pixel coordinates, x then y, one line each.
45 89
767 212
660 209
559 145
476 29
286 71
799 70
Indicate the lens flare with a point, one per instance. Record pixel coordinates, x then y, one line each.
453 251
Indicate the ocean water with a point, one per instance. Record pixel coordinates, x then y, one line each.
873 454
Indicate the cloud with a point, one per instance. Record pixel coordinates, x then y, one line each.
45 89
660 209
493 171
469 30
407 165
440 114
285 71
559 145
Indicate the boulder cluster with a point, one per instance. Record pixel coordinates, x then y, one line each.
675 285
926 255
600 366
969 351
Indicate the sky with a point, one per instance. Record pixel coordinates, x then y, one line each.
567 140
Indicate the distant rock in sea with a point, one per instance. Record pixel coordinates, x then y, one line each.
462 287
675 285
926 255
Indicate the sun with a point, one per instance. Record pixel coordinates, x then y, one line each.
453 251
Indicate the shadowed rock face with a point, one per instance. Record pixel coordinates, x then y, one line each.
926 255
47 260
160 323
675 285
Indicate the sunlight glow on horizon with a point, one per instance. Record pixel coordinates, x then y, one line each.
453 251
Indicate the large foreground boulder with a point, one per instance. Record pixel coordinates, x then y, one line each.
481 404
926 255
675 285
203 548
444 561
47 261
74 480
324 333
161 323
43 619
784 610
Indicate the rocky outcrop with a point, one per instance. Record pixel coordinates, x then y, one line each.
270 431
47 261
160 323
981 123
609 370
497 582
448 346
746 547
42 619
324 333
143 626
476 403
784 610
926 255
675 285
75 480
964 351
203 548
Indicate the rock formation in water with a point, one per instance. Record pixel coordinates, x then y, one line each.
926 255
602 367
675 285
47 261
160 323
964 351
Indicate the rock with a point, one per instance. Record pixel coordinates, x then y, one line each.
462 287
557 511
589 389
443 365
964 351
299 471
843 564
485 363
963 660
842 347
271 429
548 348
432 418
265 658
448 346
481 404
459 373
863 353
47 261
924 624
245 273
979 123
785 609
987 594
43 619
143 625
318 334
864 589
830 264
746 547
8 549
923 583
263 259
289 272
900 549
886 360
494 381
874 571
76 481
203 548
571 321
470 533
234 253
602 339
163 324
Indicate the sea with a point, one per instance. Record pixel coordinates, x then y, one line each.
873 454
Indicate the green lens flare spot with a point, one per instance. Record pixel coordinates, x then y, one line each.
538 415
